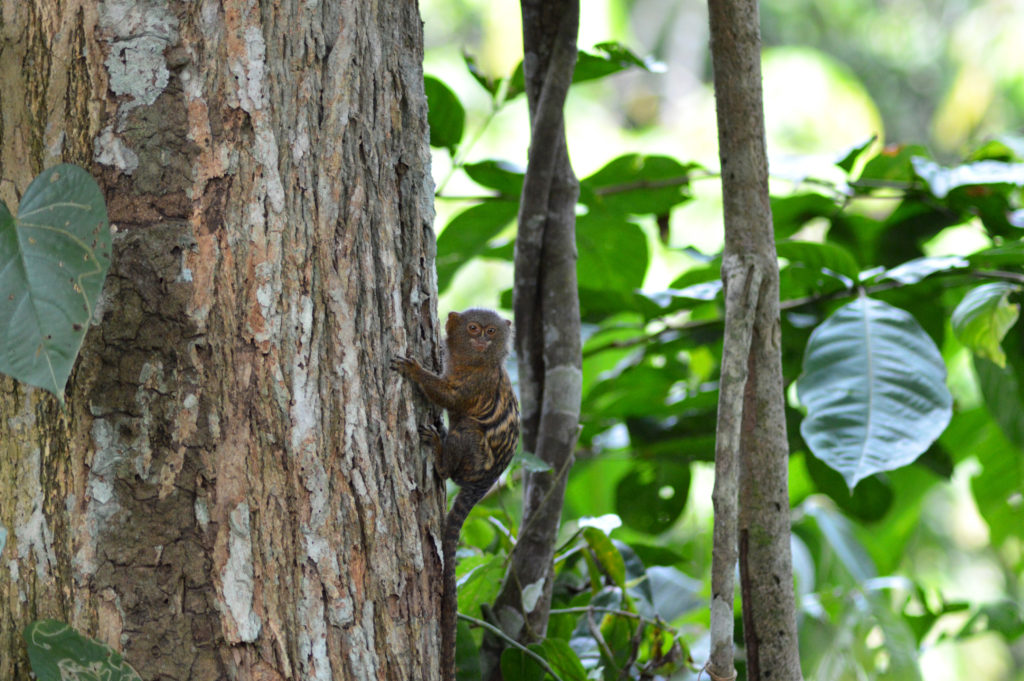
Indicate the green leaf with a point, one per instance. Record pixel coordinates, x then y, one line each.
869 502
53 260
848 161
917 269
59 653
1007 255
873 383
824 257
468 234
673 592
480 586
533 463
612 253
997 485
615 58
562 659
652 496
518 666
1001 388
445 114
892 164
942 180
499 175
617 632
488 83
983 317
638 185
790 213
839 535
467 655
607 555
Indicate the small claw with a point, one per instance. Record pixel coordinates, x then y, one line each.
401 363
429 434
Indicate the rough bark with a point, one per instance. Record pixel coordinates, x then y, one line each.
547 319
763 524
227 497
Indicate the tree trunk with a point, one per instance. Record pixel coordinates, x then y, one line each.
752 381
547 323
236 490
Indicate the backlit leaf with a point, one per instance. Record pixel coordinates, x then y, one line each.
983 317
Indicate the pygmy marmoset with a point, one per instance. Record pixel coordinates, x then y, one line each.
483 430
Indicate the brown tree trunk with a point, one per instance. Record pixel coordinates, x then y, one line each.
752 451
547 323
236 490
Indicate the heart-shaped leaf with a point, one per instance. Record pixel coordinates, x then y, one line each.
874 385
53 259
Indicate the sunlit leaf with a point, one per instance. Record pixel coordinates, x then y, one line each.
943 180
638 185
998 486
606 555
53 260
609 58
874 387
917 269
983 317
850 159
891 164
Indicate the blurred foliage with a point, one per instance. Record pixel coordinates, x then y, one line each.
903 499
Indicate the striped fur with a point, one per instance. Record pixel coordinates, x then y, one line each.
483 416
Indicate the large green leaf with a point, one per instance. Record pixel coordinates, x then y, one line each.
638 185
445 114
983 317
612 253
468 234
874 386
53 260
59 653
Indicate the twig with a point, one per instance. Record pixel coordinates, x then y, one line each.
512 642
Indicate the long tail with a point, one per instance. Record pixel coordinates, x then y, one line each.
463 504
